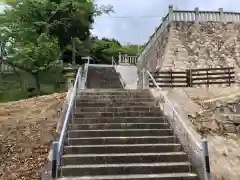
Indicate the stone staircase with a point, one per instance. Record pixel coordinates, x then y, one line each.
121 134
102 78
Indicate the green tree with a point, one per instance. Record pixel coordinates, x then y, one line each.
35 57
104 49
40 29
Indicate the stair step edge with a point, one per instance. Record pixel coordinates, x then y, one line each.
122 137
123 117
132 176
117 130
124 145
124 154
147 123
137 176
127 165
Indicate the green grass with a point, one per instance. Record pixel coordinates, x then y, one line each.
12 90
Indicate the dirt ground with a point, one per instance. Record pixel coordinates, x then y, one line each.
205 108
27 128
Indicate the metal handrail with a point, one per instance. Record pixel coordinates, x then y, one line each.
175 111
202 163
57 146
69 110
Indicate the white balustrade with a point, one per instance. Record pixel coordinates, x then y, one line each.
127 60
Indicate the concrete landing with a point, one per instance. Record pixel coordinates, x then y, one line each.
129 75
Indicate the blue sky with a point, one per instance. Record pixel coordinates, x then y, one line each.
137 30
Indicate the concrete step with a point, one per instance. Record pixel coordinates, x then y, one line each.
94 120
121 140
74 159
102 77
112 91
116 99
119 132
116 95
116 114
120 169
105 86
116 109
122 148
164 176
135 93
114 103
119 126
111 81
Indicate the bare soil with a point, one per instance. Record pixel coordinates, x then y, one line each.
204 107
27 128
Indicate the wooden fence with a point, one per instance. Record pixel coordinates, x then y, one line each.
194 77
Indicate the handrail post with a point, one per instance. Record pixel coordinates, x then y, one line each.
207 174
54 160
143 78
86 72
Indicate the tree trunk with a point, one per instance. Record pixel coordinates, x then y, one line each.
1 63
36 76
73 52
19 78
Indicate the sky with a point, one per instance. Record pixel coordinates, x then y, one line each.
136 20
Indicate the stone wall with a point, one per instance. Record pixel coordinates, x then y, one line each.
203 45
156 53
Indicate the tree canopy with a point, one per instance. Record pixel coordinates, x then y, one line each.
38 30
105 49
34 34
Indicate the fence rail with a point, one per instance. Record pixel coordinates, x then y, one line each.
194 77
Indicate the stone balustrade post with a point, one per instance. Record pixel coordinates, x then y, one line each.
170 13
197 15
120 58
221 15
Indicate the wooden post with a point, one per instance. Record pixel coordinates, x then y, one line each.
207 78
229 77
171 77
189 77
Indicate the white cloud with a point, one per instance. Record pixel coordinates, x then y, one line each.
138 30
